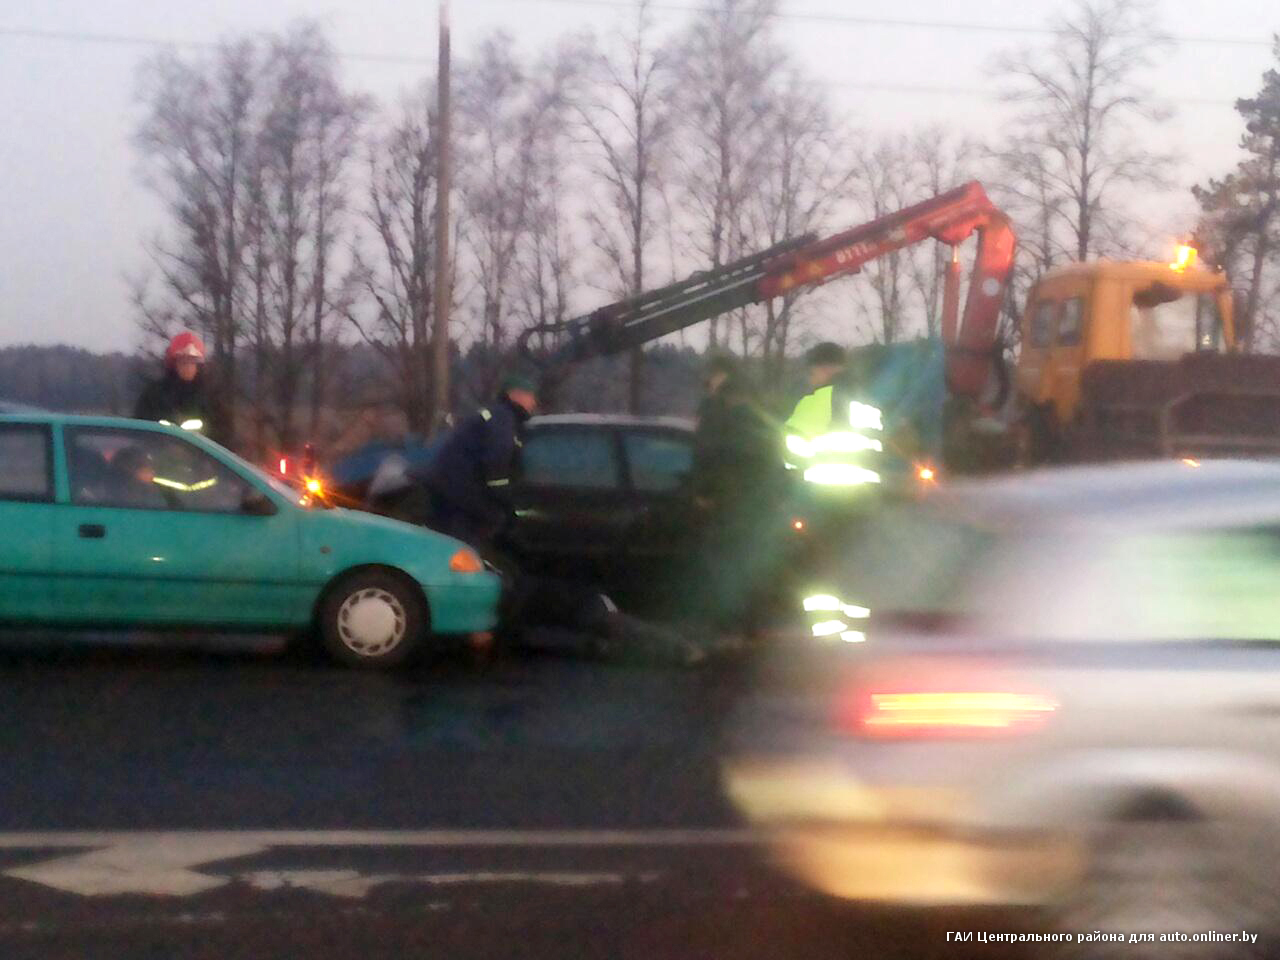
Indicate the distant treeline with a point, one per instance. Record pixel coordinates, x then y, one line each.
70 379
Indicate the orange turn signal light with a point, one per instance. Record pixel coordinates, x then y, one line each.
466 561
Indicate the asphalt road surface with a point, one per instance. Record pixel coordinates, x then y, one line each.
158 804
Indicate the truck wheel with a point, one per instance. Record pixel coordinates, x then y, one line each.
372 619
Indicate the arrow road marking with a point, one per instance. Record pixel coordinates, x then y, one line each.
155 866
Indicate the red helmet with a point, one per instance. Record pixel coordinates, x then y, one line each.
185 344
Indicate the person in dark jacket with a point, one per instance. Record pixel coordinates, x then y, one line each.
469 480
712 471
736 481
734 443
468 486
179 397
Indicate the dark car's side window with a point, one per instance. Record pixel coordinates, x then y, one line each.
583 459
145 470
659 462
25 463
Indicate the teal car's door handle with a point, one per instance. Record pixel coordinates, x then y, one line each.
92 531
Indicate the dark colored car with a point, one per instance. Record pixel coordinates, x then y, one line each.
598 498
605 499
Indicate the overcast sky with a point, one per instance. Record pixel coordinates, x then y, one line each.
73 212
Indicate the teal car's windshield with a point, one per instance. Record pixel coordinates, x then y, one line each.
285 490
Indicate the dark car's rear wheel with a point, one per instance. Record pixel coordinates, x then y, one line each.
372 619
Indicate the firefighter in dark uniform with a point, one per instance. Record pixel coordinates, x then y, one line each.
468 485
180 396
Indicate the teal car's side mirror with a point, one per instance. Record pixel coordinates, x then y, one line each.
257 504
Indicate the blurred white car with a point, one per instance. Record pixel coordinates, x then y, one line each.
1066 695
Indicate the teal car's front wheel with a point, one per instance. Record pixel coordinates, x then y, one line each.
372 619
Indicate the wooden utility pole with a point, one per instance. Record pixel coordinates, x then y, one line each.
443 292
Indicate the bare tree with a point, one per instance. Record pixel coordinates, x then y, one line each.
805 172
511 122
197 137
337 121
727 59
249 148
305 143
545 275
886 183
1078 137
629 123
396 277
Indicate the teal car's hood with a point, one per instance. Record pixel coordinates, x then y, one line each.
340 539
371 526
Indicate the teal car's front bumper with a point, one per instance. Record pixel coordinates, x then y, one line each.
467 605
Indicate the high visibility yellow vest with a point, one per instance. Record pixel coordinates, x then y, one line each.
812 415
835 446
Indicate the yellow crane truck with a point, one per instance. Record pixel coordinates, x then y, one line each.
1136 360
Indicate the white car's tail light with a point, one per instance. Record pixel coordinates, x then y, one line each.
925 710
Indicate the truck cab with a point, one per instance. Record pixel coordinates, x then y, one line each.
1131 360
1121 311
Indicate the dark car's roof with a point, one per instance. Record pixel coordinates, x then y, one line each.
1148 494
610 420
9 407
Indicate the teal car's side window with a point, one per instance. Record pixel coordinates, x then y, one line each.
145 470
26 463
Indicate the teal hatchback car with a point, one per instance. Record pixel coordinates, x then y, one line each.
111 523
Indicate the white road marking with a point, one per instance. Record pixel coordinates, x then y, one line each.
354 885
163 862
155 866
56 839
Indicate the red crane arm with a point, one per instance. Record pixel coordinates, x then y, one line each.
807 261
949 218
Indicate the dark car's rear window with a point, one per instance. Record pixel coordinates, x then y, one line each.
659 462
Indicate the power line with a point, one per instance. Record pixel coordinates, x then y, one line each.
117 39
924 89
73 36
946 25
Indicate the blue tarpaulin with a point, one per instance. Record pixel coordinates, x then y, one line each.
356 469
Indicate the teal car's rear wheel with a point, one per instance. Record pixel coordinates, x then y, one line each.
372 619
